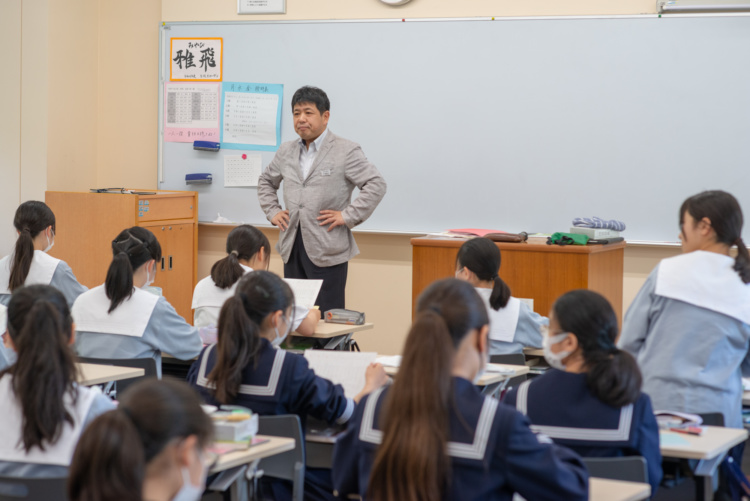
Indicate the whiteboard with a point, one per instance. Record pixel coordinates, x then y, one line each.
519 125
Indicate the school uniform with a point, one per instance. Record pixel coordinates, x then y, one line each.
143 325
513 327
493 452
45 270
561 406
55 459
689 329
7 356
282 383
208 298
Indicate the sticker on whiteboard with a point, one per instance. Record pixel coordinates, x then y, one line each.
242 170
195 59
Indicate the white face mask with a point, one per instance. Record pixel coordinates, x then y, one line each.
50 244
280 339
555 359
149 278
188 491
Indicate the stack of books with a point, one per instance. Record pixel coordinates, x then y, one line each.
595 233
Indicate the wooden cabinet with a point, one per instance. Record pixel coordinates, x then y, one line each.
88 222
532 270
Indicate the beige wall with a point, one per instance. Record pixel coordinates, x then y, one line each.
93 121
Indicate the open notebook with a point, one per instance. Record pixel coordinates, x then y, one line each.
341 367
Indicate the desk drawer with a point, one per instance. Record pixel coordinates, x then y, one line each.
156 208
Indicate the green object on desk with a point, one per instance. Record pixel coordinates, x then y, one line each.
560 238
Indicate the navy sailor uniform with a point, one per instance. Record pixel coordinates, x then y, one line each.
282 383
561 406
493 453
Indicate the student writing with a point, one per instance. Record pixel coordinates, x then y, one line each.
591 399
119 319
432 436
513 325
44 409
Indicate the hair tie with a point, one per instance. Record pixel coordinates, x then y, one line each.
435 309
235 253
738 242
26 228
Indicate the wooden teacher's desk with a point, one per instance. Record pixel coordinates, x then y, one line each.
532 270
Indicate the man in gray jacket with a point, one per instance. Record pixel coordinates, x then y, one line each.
320 171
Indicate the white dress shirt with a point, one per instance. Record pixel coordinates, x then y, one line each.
307 155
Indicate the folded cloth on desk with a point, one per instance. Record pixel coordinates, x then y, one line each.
567 239
596 222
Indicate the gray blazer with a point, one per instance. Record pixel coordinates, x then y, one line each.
339 166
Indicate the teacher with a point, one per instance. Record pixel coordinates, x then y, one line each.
320 171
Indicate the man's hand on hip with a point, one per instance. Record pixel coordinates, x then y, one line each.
281 220
332 217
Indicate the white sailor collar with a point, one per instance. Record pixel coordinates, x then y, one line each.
130 318
707 280
42 270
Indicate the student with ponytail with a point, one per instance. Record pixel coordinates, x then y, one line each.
689 325
513 325
153 446
248 249
29 263
119 319
246 368
591 400
432 436
43 408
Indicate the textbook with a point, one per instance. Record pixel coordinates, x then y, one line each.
595 233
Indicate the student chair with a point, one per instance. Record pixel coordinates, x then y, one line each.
628 468
147 364
32 489
289 465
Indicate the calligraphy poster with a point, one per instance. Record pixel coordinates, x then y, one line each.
251 116
191 112
195 59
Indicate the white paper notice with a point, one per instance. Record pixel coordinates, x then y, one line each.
341 367
250 118
239 172
261 7
305 291
192 105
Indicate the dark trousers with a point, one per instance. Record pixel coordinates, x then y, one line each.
333 292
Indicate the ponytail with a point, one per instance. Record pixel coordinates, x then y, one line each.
131 249
243 242
500 294
22 257
742 261
725 214
612 375
31 218
258 294
40 326
109 461
411 463
482 257
238 346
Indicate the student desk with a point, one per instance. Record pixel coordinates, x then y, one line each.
709 448
746 398
92 374
238 459
533 352
488 378
532 270
331 336
601 489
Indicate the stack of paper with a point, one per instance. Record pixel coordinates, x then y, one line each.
341 367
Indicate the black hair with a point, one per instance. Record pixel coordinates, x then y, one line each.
314 95
411 462
613 375
31 218
109 463
482 257
132 248
258 294
725 214
243 242
40 325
